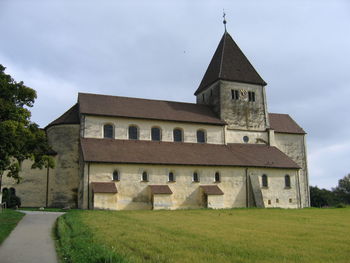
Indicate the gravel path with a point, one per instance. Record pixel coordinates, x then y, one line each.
31 240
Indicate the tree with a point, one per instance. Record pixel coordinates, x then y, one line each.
342 191
322 197
20 139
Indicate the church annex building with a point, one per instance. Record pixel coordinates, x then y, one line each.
224 151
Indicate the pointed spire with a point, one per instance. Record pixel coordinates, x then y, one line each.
229 63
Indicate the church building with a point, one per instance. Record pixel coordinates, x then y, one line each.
224 151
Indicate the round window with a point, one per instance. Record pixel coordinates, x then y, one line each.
245 139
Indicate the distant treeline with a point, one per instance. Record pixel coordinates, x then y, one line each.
338 196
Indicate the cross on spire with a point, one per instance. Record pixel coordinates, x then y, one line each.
224 16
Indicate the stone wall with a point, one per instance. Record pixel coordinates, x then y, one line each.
134 193
94 129
294 146
64 181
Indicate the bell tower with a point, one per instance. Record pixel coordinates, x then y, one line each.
234 89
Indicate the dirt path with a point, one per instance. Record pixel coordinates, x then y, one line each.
31 240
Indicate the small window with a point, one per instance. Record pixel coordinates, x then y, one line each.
246 139
287 181
201 136
269 202
217 177
203 97
235 94
195 177
108 131
251 96
116 176
133 132
155 134
264 180
290 200
177 133
277 201
144 177
171 177
211 93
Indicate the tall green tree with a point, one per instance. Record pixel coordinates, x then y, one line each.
343 189
20 139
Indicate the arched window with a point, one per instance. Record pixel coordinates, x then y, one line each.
195 177
264 180
108 131
201 136
177 133
116 175
287 181
12 191
144 177
133 132
171 177
155 134
217 177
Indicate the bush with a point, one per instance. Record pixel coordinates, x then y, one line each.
9 197
340 205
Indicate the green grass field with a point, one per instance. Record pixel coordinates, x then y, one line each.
237 235
8 221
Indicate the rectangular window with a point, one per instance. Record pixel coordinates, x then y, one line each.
235 94
251 96
277 201
290 200
269 202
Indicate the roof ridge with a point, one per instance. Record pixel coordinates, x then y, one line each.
222 54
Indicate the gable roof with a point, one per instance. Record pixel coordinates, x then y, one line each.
172 153
71 116
283 123
229 63
93 104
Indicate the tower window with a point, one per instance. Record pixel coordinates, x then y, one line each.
251 96
155 134
133 132
287 181
201 136
144 176
195 177
177 133
235 94
264 180
217 177
108 131
116 176
171 177
203 97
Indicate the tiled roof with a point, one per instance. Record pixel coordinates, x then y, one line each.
284 123
93 104
71 116
160 189
212 190
172 153
229 63
104 187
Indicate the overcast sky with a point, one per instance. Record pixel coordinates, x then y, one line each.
161 49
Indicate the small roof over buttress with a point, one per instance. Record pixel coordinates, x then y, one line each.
212 190
160 189
104 187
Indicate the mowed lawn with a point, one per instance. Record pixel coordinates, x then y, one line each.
236 235
8 221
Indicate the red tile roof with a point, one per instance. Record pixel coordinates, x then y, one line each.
104 187
93 104
171 153
160 189
212 190
284 123
229 63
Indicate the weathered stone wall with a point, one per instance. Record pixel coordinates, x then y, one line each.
242 114
94 129
105 201
134 194
32 189
236 136
294 146
162 201
64 182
